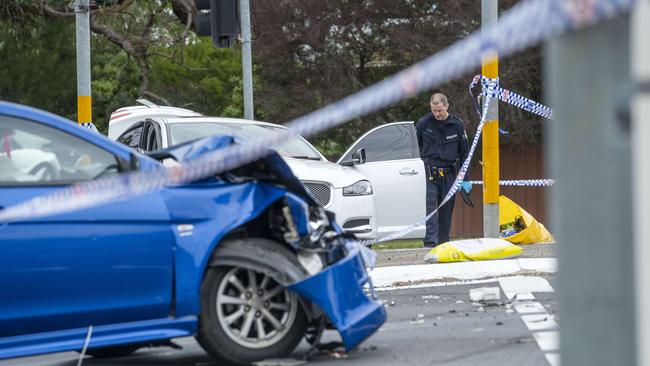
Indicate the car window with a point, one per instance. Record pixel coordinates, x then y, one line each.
393 142
293 147
132 136
34 153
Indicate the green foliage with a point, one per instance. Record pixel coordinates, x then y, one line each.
37 64
208 80
307 54
311 53
114 81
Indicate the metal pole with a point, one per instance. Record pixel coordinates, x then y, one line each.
247 63
591 204
489 16
84 101
640 110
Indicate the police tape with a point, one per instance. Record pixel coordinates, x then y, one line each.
524 25
455 186
90 126
513 98
522 182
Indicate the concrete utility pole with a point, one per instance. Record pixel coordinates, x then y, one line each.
640 113
84 99
247 63
490 16
591 205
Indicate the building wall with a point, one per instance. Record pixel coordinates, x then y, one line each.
526 164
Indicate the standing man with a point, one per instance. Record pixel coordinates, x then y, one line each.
443 148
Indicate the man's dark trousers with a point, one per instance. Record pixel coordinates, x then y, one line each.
439 225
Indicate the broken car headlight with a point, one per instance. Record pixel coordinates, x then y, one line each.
360 188
318 223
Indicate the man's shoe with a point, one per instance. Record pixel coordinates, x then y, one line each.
430 245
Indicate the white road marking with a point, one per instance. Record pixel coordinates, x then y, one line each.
553 359
530 308
539 322
548 341
524 286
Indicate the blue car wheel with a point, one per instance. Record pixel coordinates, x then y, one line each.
247 316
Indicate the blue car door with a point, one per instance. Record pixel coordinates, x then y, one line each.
104 265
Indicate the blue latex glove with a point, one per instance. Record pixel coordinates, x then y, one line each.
466 186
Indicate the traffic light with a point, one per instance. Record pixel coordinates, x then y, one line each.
219 19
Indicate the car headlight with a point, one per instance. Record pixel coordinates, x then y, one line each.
360 188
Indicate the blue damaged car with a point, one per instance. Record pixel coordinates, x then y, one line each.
245 260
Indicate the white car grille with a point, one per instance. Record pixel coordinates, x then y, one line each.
320 191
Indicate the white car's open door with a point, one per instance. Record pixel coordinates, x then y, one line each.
394 168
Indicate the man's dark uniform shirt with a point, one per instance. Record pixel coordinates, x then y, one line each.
443 148
442 143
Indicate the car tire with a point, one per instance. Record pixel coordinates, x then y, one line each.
110 352
230 306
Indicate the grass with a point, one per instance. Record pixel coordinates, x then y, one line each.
399 244
403 244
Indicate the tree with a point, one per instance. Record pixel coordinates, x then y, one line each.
311 53
139 49
37 61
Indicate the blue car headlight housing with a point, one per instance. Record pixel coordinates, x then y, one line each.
360 188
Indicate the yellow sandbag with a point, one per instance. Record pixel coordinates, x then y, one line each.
472 250
518 226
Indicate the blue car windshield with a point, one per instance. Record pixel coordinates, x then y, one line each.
295 146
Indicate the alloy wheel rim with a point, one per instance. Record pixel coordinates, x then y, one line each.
253 309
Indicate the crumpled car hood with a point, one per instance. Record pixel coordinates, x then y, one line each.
191 150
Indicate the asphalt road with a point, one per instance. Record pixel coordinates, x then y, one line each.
426 326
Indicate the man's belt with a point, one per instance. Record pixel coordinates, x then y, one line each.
434 172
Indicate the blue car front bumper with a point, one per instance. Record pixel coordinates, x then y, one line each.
338 291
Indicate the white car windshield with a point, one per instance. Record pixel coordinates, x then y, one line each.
294 147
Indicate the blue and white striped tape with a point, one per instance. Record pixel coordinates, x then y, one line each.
90 126
525 24
522 182
513 98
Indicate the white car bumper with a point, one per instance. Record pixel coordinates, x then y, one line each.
355 214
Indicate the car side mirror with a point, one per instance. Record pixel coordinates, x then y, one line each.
129 165
358 157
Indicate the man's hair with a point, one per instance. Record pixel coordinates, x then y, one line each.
438 98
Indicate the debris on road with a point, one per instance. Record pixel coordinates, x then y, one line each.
485 294
335 354
418 320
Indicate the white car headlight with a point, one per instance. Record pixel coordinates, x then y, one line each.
360 188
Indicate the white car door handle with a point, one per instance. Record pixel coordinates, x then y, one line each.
408 171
